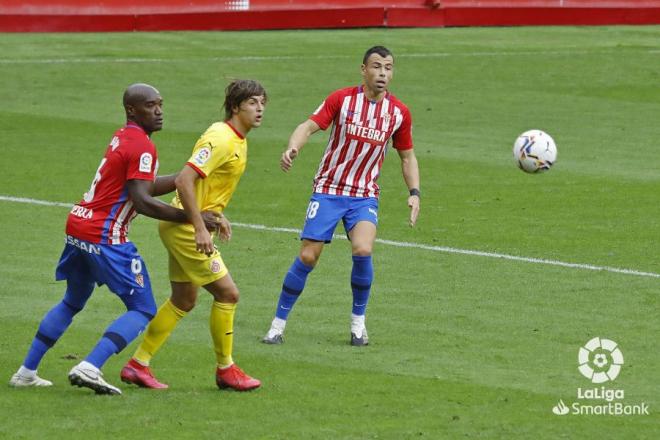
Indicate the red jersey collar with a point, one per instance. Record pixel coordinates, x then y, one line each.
131 124
361 90
234 130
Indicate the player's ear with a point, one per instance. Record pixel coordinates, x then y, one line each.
130 110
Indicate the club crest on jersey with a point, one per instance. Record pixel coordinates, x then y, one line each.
139 279
365 134
202 156
215 266
145 163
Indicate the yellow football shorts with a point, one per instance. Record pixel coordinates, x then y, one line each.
186 264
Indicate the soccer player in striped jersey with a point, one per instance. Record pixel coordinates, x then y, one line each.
364 120
97 249
206 182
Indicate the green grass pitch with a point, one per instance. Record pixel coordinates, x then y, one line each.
463 346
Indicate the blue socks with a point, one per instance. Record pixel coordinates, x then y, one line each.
362 276
54 324
294 283
117 336
57 320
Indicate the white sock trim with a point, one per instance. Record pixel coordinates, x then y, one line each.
278 324
26 372
358 318
87 366
357 324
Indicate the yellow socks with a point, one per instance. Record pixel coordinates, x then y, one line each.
222 331
158 331
168 316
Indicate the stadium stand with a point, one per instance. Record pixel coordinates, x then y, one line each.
155 15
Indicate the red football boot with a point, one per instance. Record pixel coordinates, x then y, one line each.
134 372
233 377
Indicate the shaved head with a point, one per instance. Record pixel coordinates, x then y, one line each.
144 106
138 93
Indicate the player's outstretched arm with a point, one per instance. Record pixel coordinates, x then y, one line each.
410 171
141 193
297 141
164 185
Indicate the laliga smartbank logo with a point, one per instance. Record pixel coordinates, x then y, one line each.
600 361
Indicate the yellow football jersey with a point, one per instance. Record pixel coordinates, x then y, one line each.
219 157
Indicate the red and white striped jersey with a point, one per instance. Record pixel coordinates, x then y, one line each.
361 130
105 212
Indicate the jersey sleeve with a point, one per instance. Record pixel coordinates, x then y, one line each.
210 152
326 112
142 159
402 139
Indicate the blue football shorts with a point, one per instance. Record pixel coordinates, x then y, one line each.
324 212
119 266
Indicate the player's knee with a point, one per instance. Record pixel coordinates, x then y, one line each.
309 257
149 311
149 308
143 304
229 295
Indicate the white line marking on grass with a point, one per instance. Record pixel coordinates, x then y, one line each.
450 250
34 201
299 57
402 244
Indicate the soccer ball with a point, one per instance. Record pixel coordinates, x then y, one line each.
535 151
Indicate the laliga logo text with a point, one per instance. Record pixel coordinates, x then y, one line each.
600 361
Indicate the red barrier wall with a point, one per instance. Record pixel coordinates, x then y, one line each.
123 7
153 15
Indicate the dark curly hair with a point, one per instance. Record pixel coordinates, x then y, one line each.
238 91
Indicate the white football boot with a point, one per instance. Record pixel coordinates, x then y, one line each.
28 378
359 335
275 335
87 375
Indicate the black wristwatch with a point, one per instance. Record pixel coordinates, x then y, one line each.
415 192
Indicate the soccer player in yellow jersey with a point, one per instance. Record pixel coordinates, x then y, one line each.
206 183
